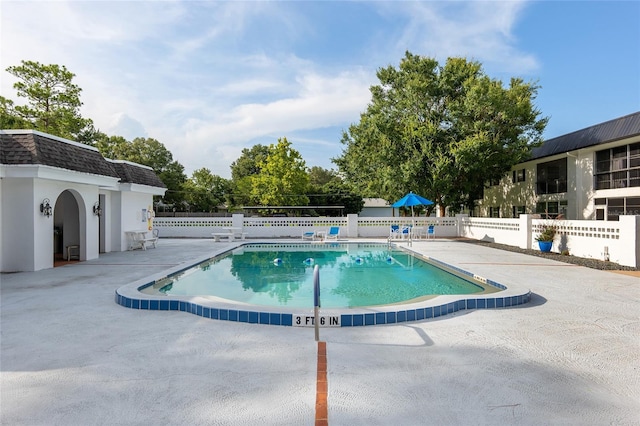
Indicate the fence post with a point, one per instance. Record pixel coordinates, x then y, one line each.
352 225
237 220
526 228
630 239
459 227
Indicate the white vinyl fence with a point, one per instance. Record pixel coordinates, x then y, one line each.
617 242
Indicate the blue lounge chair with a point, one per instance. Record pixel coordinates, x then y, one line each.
309 235
394 232
333 233
431 232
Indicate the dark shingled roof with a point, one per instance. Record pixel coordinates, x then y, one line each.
130 173
609 131
21 148
32 148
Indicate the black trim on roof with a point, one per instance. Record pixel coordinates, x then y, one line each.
29 147
33 148
609 131
131 173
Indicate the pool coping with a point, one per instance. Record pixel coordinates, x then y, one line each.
129 296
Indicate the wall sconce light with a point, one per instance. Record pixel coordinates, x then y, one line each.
97 210
45 208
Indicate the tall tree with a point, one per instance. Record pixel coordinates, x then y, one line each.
114 147
205 192
9 117
283 177
242 172
441 131
53 100
248 163
149 152
338 193
320 176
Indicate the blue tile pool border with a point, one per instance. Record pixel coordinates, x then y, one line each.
393 314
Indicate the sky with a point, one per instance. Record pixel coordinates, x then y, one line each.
209 78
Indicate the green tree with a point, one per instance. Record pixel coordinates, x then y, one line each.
53 100
242 172
9 117
248 163
114 147
205 192
338 193
152 153
441 131
319 176
283 178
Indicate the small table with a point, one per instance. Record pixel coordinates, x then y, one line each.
73 250
419 232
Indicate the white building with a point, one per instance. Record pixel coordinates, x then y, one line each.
590 174
376 207
58 195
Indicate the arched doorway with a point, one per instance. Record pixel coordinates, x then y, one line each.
66 222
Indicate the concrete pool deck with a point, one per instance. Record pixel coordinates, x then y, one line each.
69 355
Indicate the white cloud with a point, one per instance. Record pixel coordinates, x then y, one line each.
480 31
210 78
125 126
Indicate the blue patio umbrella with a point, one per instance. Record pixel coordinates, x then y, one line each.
411 200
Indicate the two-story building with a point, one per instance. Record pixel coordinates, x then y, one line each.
590 174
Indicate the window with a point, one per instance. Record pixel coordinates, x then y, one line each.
552 177
494 211
518 176
632 206
613 208
634 177
518 210
552 209
603 161
634 155
618 167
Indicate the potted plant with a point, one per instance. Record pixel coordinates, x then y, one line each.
545 238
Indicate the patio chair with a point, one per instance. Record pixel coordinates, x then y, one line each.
431 232
394 232
405 232
309 235
333 233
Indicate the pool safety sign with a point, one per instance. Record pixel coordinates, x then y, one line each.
309 321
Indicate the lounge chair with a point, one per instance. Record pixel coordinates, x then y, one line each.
394 232
309 235
333 233
431 232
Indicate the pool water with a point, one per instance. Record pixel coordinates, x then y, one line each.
351 275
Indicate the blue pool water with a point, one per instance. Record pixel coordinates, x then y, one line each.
351 275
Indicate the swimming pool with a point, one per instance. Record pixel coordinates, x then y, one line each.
351 275
484 293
